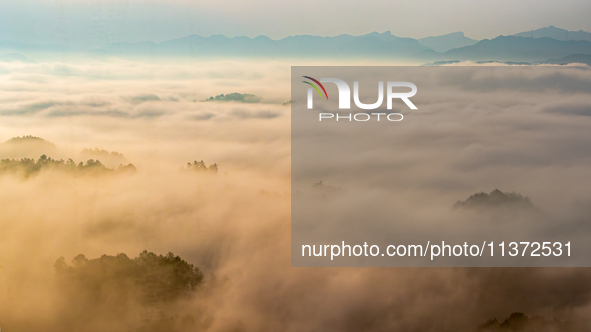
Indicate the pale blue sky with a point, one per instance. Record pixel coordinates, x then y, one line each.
96 23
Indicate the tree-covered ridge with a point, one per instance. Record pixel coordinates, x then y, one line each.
235 96
26 147
29 167
28 139
200 166
148 279
148 293
495 198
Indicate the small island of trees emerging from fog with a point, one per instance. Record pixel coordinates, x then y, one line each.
235 96
28 139
495 198
28 167
199 166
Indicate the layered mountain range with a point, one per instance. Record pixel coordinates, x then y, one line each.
545 45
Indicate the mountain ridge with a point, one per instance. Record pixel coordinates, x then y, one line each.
444 43
373 44
453 46
556 33
513 48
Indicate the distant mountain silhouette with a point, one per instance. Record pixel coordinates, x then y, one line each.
574 58
548 43
556 33
511 48
447 42
374 45
443 63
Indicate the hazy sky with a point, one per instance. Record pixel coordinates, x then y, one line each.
97 22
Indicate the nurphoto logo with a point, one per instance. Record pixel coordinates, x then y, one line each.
345 98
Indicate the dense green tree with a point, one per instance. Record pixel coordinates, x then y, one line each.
148 278
145 293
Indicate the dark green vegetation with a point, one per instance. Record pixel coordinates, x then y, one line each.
495 198
235 96
17 157
28 167
145 293
148 278
200 166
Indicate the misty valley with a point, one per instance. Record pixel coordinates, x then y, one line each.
144 196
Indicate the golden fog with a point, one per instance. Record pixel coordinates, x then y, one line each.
233 224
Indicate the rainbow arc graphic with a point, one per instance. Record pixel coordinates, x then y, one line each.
316 87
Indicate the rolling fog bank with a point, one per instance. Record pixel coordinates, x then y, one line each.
234 224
